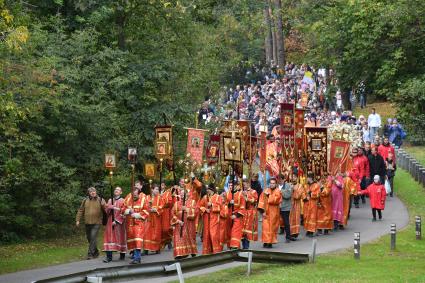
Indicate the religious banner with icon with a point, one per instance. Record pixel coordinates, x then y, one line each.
195 144
287 128
262 150
299 129
316 150
252 150
213 150
110 161
164 142
339 155
150 170
132 154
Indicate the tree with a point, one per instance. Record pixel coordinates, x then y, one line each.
280 48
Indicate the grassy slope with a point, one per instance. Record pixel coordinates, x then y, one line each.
385 109
18 257
377 263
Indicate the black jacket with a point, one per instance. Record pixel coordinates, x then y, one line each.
377 166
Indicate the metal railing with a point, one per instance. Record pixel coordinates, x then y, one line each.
163 268
410 164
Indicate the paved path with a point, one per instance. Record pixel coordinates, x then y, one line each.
360 221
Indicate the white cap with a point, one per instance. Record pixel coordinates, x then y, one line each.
376 178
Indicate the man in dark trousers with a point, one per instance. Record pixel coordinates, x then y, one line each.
376 164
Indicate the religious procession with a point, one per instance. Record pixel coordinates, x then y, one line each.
271 157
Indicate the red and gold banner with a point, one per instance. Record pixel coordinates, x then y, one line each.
339 155
299 132
287 128
253 151
317 151
213 150
262 144
195 144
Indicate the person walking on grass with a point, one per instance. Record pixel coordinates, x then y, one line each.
374 122
377 195
91 210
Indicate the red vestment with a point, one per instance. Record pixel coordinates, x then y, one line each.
324 208
270 204
167 202
295 214
350 188
186 244
224 214
136 227
250 230
310 208
114 238
237 224
211 222
153 236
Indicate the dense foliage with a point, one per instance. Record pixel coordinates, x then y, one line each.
380 42
81 77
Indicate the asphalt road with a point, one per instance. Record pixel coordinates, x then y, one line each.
360 221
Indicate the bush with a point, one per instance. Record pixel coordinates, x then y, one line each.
410 102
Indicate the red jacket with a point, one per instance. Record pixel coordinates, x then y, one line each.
361 163
383 151
376 194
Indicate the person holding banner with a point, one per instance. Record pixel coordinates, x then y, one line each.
183 223
251 216
236 200
153 237
167 202
136 212
310 206
210 207
269 206
324 207
295 214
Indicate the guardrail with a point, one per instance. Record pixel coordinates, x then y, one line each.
165 268
410 164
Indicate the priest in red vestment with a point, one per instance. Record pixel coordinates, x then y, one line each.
114 237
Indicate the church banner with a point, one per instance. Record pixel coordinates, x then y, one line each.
262 144
213 150
164 142
287 128
316 150
195 144
339 155
272 163
252 151
299 131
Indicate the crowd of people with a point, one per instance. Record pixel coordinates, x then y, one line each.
153 217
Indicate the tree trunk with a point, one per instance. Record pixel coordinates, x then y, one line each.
120 21
272 24
279 34
268 34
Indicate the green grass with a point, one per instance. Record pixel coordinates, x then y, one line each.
417 152
385 109
37 254
377 263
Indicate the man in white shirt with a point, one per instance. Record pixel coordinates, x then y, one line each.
374 123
